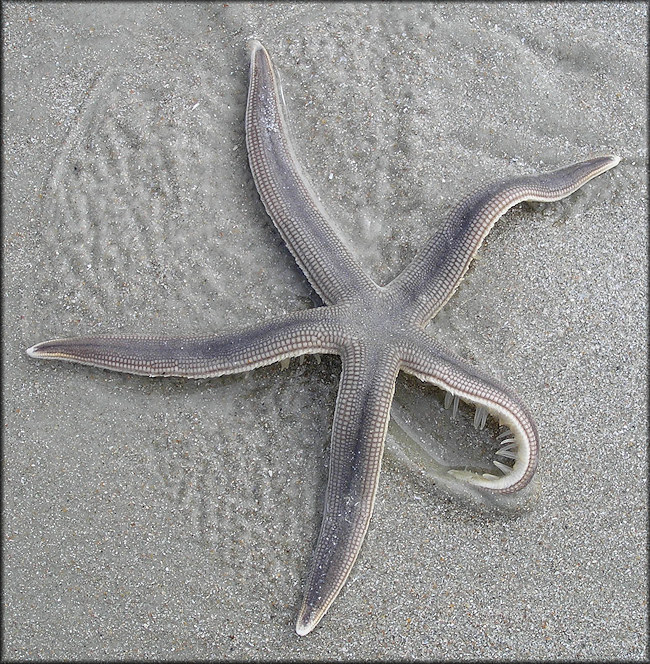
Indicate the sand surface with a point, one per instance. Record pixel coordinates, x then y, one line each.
171 519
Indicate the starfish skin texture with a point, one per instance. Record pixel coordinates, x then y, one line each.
377 331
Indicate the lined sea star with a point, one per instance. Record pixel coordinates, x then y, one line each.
376 330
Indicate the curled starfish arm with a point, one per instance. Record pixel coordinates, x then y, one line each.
517 455
434 274
198 356
287 195
358 435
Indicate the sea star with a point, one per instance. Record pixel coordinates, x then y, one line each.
376 330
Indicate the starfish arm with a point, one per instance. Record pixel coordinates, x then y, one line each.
434 274
199 356
359 430
287 195
431 363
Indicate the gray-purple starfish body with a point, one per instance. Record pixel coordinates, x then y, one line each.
376 330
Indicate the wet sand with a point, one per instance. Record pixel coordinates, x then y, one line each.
173 519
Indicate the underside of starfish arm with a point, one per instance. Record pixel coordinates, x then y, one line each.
287 195
358 435
433 276
516 459
199 356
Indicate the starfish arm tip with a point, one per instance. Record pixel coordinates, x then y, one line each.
308 619
611 160
254 45
37 351
302 629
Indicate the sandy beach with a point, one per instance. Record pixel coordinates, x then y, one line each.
175 519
